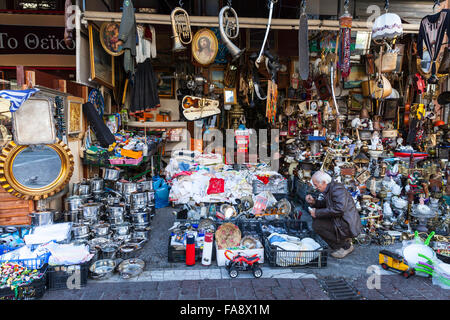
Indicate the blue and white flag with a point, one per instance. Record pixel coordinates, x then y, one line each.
17 97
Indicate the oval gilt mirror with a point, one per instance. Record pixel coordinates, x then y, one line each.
37 171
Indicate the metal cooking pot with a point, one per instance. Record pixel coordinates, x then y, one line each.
138 199
42 218
91 211
146 185
140 234
150 196
121 229
151 209
141 226
118 186
102 269
111 174
73 203
84 189
101 229
129 187
128 250
109 251
80 230
111 201
72 216
140 217
96 184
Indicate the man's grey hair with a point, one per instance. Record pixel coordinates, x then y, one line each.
321 176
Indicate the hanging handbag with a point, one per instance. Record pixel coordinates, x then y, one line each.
383 88
387 62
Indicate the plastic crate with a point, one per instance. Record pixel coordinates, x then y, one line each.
4 249
34 263
134 162
275 188
277 257
57 276
175 256
279 224
116 161
250 227
32 291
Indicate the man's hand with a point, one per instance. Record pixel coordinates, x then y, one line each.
312 211
309 198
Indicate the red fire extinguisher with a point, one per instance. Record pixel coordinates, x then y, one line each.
190 249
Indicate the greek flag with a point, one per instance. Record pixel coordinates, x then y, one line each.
17 97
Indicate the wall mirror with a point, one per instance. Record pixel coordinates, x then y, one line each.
424 65
35 172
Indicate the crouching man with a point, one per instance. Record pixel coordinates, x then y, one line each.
335 218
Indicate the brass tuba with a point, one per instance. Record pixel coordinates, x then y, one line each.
181 28
229 29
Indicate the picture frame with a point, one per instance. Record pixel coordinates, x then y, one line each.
229 96
216 77
204 46
74 115
109 36
165 85
102 64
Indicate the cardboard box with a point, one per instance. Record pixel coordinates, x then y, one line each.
222 259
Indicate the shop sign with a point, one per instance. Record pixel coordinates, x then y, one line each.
34 40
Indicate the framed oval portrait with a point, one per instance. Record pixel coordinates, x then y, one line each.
109 36
204 46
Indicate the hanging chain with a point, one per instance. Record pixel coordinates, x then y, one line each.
386 5
346 5
229 3
303 6
181 3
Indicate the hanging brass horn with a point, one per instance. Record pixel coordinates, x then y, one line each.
181 28
229 29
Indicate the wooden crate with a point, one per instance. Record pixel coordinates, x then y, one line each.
14 211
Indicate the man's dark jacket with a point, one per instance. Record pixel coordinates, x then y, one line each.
339 206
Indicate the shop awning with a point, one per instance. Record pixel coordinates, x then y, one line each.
244 22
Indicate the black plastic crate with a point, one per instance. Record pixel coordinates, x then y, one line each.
57 276
278 223
297 228
277 257
250 227
175 256
33 291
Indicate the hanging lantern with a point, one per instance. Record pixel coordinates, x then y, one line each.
388 26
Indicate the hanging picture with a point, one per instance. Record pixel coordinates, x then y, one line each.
102 64
166 83
204 46
216 77
75 115
229 96
109 37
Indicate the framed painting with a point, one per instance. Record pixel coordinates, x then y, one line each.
166 83
109 37
74 115
102 64
204 46
229 96
216 77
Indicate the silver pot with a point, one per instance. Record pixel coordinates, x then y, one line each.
121 229
128 251
140 217
111 201
72 216
91 211
129 187
150 196
101 229
109 251
73 203
111 174
146 185
140 234
151 209
141 226
138 200
42 218
118 186
84 189
102 269
96 184
80 231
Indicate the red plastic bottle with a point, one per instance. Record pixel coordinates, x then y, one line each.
190 249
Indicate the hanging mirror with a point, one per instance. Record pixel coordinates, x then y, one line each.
424 65
34 172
